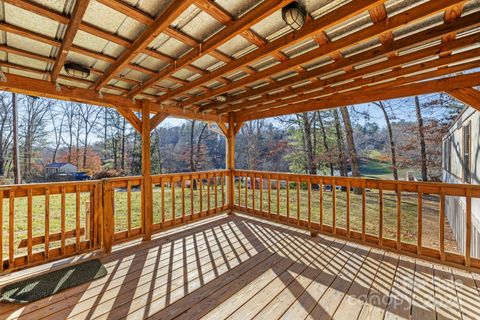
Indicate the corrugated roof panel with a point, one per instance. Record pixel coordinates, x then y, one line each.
26 44
238 8
395 7
300 48
171 47
130 29
205 62
27 62
202 26
269 26
55 5
134 74
149 62
419 26
361 47
350 26
319 8
98 14
234 45
153 8
25 73
30 21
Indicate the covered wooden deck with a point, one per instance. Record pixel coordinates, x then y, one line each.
242 267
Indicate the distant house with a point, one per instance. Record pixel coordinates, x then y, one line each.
59 168
461 164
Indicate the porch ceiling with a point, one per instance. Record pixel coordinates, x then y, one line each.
182 54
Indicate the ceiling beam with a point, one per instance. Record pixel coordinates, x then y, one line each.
46 89
468 96
311 28
370 55
392 67
366 96
419 12
381 82
234 28
77 15
160 24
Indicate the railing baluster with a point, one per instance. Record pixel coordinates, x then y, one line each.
172 186
162 186
222 180
191 197
11 229
261 194
62 220
309 208
183 198
348 209
380 213
468 230
298 201
419 220
320 191
364 208
208 194
246 192
253 182
269 195
129 208
288 199
334 207
442 224
29 225
399 217
215 180
200 180
278 197
77 218
239 187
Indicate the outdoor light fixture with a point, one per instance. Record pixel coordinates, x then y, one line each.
76 70
221 98
294 14
3 77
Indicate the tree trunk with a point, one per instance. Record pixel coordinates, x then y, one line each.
350 142
421 137
123 144
308 143
390 138
16 161
341 155
192 136
325 143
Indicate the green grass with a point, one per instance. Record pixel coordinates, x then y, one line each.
376 169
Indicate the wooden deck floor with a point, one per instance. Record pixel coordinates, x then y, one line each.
240 268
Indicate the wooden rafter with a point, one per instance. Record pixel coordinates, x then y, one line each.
41 88
359 76
72 28
130 117
469 96
160 24
365 96
366 56
337 16
157 119
393 23
252 17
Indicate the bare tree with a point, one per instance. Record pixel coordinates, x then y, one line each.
381 105
324 139
5 130
421 138
340 145
57 120
354 161
89 115
309 141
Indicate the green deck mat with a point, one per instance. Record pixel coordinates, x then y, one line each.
48 284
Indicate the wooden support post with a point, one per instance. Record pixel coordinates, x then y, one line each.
108 219
147 190
231 161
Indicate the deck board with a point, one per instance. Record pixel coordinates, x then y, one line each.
240 267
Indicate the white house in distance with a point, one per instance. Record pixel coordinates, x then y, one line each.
461 164
59 167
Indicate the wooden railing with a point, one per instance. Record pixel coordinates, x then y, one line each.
41 222
177 198
408 217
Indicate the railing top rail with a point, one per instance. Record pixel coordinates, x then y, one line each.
48 185
368 181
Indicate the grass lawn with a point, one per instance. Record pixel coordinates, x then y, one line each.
376 169
409 212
